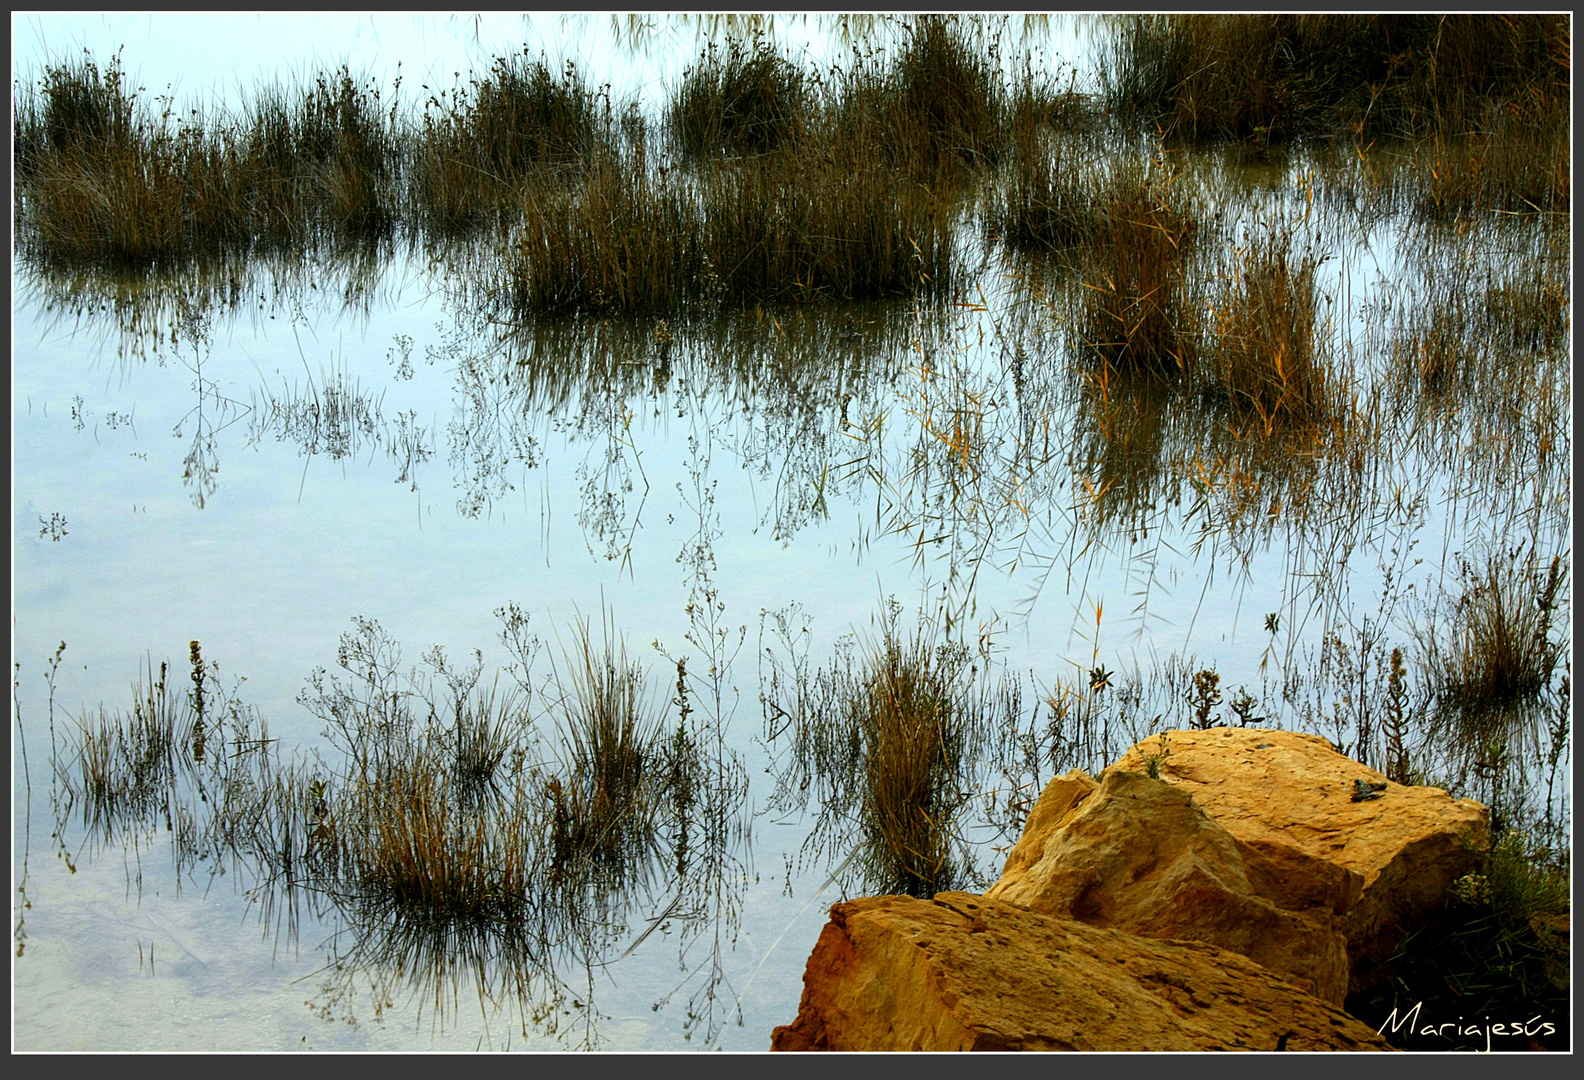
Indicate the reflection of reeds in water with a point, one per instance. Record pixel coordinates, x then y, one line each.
1265 358
128 764
890 746
604 809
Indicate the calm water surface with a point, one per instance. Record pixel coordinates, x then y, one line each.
351 445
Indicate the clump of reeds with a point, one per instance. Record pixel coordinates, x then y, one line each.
1040 201
613 239
911 719
948 94
1503 649
604 808
1270 77
782 226
476 147
887 740
1135 313
410 843
102 178
740 99
1263 356
324 154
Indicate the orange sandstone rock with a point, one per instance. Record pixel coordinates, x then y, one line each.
1287 799
963 972
1135 854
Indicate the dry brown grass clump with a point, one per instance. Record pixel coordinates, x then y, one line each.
782 227
475 147
743 99
1136 313
1264 356
102 178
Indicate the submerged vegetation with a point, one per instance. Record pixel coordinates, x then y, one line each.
1023 326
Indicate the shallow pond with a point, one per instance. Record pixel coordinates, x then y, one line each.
348 469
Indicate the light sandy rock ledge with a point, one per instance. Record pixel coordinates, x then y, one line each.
1232 903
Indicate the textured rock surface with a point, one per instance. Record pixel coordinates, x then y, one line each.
963 972
1287 799
1135 854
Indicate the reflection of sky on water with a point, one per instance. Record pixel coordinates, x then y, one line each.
288 547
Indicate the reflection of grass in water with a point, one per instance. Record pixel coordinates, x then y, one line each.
1263 359
604 808
128 764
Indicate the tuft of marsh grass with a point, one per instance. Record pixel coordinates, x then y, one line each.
106 179
1135 313
947 96
740 99
889 742
127 765
1502 649
1263 358
474 148
1277 76
1039 201
604 808
785 226
911 720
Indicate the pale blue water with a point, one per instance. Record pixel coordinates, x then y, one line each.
184 506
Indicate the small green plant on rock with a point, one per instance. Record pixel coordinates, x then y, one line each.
1206 695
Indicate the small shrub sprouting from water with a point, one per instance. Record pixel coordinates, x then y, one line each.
740 99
